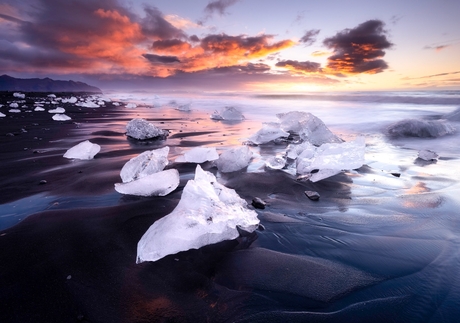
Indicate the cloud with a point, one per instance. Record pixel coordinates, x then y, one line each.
161 59
171 46
219 6
302 67
310 37
358 50
155 25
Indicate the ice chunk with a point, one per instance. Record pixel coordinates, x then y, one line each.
308 127
2 115
149 162
228 113
51 95
87 104
14 110
70 100
14 105
61 117
184 107
276 162
207 213
19 95
234 159
131 106
117 104
84 150
141 129
39 109
156 184
428 155
420 128
294 150
57 110
330 159
198 155
269 131
453 116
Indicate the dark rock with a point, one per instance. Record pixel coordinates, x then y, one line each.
396 174
43 181
258 203
312 195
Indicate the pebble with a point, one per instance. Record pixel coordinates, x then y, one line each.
258 203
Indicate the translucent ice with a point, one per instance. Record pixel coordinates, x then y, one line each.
156 184
234 159
420 128
14 110
141 129
84 150
184 107
207 213
19 95
228 113
87 104
269 131
61 117
131 106
308 127
57 110
147 163
70 100
14 105
294 150
427 155
2 115
276 162
198 155
39 109
330 159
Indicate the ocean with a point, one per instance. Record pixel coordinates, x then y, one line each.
381 244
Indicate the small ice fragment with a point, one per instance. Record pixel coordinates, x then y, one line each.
57 110
2 115
207 213
39 109
309 127
61 117
428 155
87 104
117 104
330 159
14 110
228 113
294 150
70 100
234 159
420 128
276 162
269 131
14 105
51 95
84 150
141 129
19 95
198 155
184 107
131 106
146 163
156 184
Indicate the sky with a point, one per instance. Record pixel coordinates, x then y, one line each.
235 45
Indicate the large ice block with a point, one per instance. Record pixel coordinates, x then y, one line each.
269 131
207 213
234 159
420 128
141 129
84 150
146 163
156 184
228 113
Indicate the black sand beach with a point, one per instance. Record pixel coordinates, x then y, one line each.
68 240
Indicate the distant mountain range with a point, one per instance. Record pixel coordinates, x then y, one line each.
8 83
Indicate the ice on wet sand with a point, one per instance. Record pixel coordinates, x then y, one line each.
156 184
61 117
141 129
207 213
269 132
330 159
420 128
198 155
84 150
229 114
146 163
427 155
234 159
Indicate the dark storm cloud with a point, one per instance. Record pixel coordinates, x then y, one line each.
154 24
305 67
249 68
219 6
194 38
358 50
161 59
310 37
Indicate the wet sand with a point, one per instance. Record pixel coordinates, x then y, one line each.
68 246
